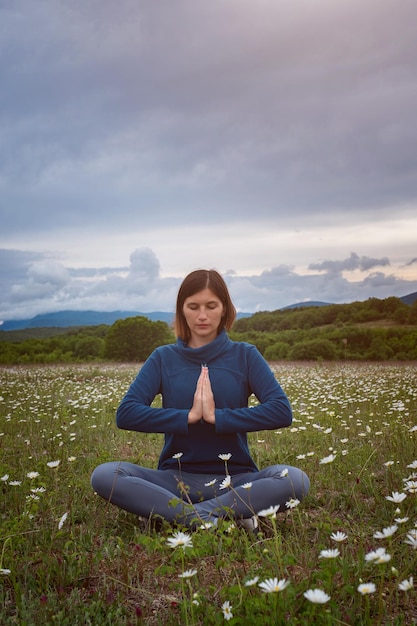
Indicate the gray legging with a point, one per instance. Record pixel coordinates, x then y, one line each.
187 498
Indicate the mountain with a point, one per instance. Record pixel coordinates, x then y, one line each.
410 299
299 305
65 319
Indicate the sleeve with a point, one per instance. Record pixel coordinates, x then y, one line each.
274 409
135 412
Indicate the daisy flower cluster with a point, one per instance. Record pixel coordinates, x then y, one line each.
354 538
43 412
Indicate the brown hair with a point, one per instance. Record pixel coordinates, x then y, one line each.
193 283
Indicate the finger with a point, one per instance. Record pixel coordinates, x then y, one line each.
207 382
200 380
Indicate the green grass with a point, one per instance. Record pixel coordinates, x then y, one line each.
101 565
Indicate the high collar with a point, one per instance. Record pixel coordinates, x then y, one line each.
207 353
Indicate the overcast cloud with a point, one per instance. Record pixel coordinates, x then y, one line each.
273 140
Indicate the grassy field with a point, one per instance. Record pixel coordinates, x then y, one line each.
67 557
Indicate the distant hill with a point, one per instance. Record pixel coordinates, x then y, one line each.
65 319
410 299
299 305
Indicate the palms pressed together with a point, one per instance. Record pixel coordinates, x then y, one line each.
203 405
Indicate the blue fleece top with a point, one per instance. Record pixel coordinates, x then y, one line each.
236 370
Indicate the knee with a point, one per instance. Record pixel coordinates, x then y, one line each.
303 484
297 479
300 482
101 477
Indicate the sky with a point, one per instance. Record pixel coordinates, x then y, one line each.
275 141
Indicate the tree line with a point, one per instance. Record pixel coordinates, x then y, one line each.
378 330
130 339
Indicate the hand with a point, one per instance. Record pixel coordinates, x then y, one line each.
203 403
209 407
196 412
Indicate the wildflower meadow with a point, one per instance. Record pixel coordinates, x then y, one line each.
346 555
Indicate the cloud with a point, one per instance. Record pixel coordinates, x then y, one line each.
14 265
48 272
144 266
378 280
43 285
132 117
43 281
263 137
354 262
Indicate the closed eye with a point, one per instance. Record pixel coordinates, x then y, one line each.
210 305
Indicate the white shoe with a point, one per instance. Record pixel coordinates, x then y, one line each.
249 523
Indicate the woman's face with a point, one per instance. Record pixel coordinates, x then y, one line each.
203 313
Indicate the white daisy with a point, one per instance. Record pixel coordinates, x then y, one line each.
329 554
365 588
271 585
316 596
270 512
338 536
374 555
225 482
292 503
406 585
383 558
396 497
411 486
411 539
62 521
53 463
189 573
386 532
180 539
327 459
227 610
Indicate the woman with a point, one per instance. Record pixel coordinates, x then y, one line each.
205 469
